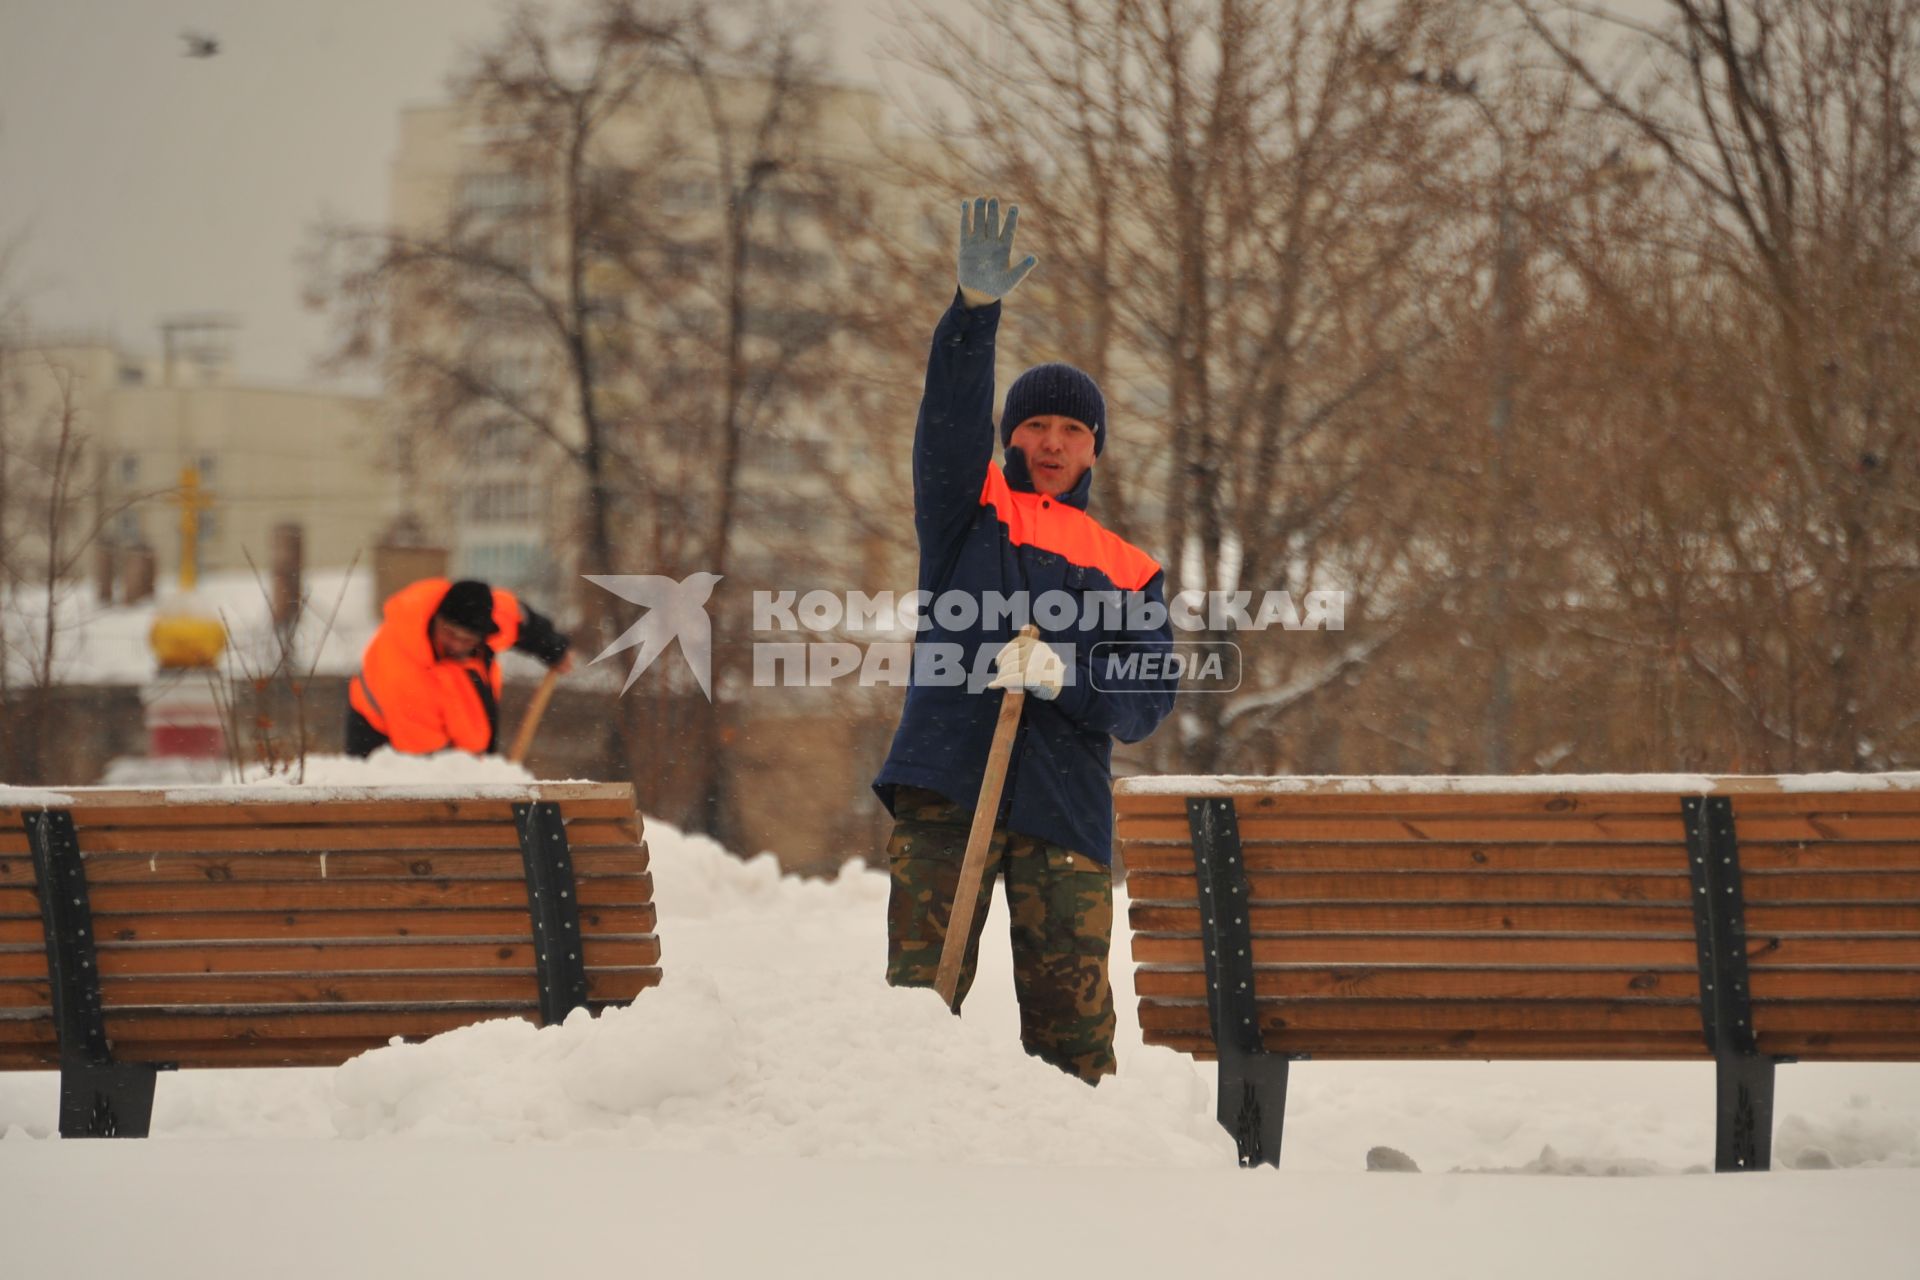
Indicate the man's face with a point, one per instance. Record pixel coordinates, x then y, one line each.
1058 451
453 641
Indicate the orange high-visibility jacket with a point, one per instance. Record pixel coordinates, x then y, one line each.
421 702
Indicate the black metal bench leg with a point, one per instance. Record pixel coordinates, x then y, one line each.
106 1099
1743 1113
1253 1106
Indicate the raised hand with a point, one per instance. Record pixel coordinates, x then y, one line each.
987 273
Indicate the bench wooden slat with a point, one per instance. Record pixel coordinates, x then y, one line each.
193 868
113 900
1756 860
1832 918
1627 828
1763 952
1422 981
119 960
1409 982
1424 1046
1409 886
21 963
1780 887
1590 1017
1769 984
283 925
345 839
420 956
1784 859
1300 1020
435 987
1465 856
1476 948
1773 828
1618 918
1408 1047
1297 886
408 1021
1828 802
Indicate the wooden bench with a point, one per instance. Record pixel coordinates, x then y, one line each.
227 927
1745 920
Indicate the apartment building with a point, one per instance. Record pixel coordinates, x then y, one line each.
503 496
258 456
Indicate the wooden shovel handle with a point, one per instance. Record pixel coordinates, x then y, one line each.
531 721
973 867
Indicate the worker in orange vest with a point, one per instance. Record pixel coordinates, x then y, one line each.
428 679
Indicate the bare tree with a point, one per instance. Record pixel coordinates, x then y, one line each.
51 515
648 292
1788 129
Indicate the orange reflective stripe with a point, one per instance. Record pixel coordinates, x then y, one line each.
375 714
1034 520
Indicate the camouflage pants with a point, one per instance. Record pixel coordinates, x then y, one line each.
1061 906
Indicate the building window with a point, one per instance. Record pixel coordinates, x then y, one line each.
499 441
500 501
494 193
517 563
129 469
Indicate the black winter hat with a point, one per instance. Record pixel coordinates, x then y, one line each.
1055 389
469 604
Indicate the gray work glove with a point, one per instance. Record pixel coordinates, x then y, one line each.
986 252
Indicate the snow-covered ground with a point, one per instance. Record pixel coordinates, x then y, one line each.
774 1109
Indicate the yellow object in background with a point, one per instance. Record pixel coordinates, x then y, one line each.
185 642
193 500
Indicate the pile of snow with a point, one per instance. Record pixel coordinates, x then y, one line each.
775 1033
208 781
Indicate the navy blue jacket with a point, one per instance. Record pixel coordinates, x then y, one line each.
984 529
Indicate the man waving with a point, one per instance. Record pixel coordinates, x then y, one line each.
1019 530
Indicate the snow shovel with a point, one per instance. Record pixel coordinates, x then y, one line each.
966 897
530 722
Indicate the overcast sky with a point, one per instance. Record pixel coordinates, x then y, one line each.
144 183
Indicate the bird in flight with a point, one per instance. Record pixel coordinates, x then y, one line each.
199 46
675 610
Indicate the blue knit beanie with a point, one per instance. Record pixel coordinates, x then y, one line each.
1055 389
